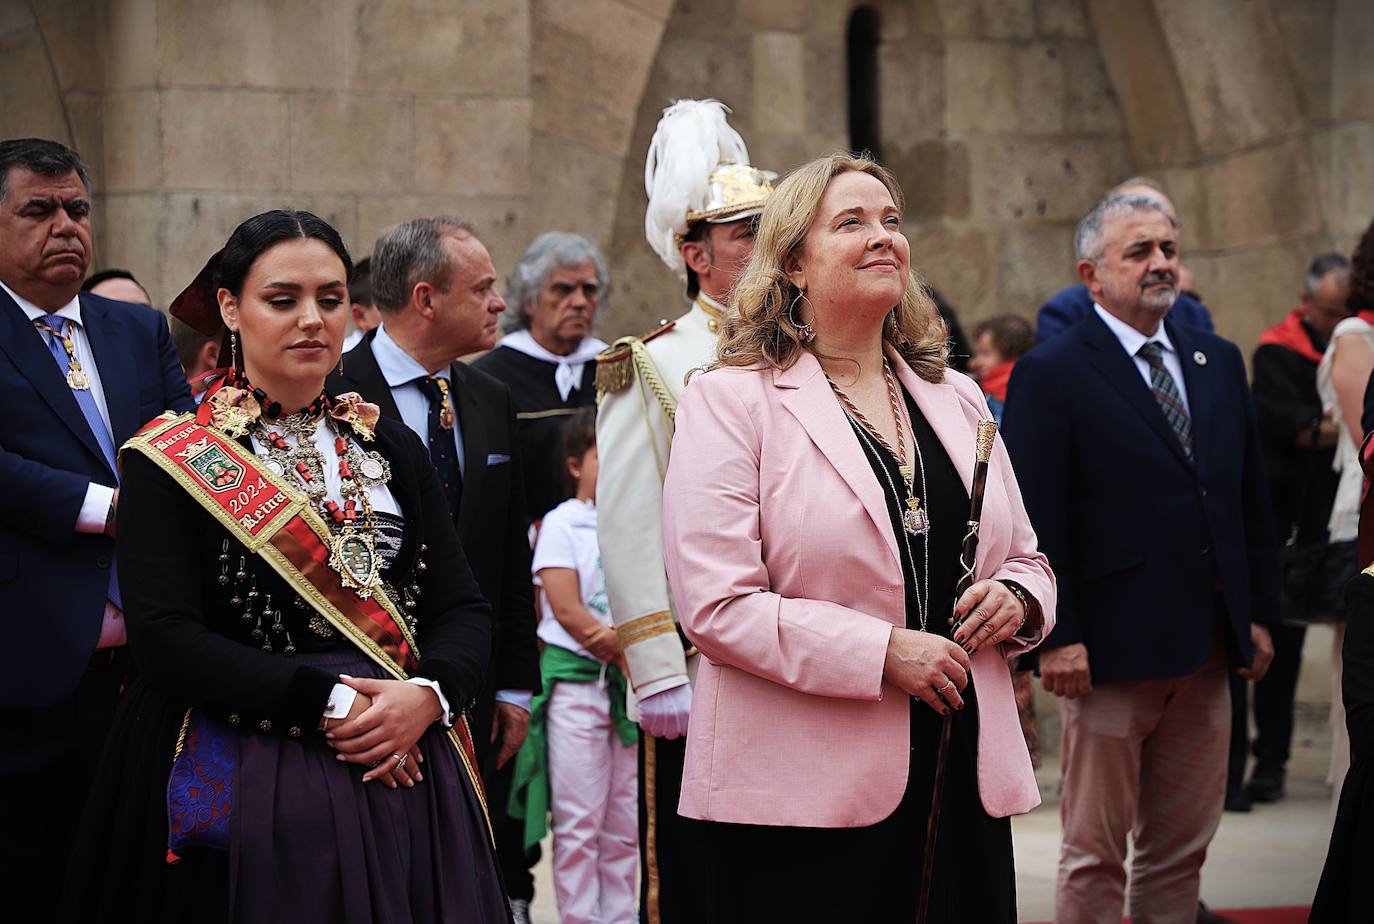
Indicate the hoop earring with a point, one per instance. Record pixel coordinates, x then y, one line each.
233 349
804 331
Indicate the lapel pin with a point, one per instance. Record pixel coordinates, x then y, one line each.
1200 357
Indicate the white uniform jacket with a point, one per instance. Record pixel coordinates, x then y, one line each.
634 431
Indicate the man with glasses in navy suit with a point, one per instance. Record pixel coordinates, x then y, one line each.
79 374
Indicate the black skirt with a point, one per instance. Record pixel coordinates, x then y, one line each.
309 841
798 875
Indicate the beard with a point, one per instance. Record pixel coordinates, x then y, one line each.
1158 299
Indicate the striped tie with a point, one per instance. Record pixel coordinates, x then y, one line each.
1166 395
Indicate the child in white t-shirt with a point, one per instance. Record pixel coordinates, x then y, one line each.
579 720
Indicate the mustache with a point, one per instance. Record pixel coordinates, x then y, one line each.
1155 278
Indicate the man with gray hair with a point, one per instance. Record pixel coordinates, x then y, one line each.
1069 306
1139 460
548 356
435 286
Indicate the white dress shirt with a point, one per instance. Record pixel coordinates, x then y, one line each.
1132 340
95 507
400 370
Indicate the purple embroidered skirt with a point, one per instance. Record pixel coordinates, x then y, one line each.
311 842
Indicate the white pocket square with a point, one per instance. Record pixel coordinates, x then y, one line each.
496 458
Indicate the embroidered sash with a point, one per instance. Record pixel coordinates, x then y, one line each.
276 522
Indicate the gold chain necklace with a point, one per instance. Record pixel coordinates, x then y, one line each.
915 519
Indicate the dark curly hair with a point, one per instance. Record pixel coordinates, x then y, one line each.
1362 273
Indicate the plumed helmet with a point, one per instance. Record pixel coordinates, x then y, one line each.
697 170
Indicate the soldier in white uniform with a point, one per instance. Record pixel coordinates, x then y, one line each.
704 201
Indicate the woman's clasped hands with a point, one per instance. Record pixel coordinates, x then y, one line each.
383 728
929 667
935 669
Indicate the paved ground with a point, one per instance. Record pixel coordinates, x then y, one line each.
1270 857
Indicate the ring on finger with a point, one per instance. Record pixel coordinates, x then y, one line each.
949 685
401 760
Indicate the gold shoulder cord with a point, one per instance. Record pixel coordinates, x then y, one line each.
628 360
650 379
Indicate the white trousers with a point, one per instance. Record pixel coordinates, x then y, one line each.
594 781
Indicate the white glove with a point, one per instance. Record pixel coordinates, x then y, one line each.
665 713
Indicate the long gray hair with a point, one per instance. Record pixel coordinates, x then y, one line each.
550 251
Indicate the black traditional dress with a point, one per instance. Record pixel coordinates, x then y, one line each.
1343 893
798 875
309 841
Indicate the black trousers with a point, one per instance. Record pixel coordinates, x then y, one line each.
671 848
1274 696
514 861
50 758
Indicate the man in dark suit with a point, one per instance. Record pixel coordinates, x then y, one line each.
435 285
79 374
1135 443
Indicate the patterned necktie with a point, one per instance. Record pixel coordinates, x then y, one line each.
1167 396
53 326
442 450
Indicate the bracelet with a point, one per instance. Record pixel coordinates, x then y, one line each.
1020 595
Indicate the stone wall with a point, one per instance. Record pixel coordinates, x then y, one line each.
997 118
1004 120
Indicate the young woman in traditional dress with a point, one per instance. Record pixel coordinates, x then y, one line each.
306 633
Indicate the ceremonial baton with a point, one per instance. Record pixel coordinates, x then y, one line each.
968 556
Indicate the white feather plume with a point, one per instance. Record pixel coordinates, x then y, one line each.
692 138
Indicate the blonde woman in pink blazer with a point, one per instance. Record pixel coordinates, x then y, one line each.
813 511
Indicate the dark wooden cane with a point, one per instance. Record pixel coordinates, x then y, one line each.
968 557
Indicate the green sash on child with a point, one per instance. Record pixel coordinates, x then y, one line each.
529 794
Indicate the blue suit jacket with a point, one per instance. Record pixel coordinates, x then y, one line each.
53 580
1142 540
1069 306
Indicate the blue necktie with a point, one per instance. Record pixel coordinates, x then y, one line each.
86 401
443 452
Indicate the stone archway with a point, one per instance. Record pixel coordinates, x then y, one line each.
1234 107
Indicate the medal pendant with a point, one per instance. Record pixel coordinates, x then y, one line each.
374 469
446 416
914 518
78 380
354 556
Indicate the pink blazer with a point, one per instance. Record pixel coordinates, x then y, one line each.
785 573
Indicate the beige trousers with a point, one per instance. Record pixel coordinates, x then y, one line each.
1148 760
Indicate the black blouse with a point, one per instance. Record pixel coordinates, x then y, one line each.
946 503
